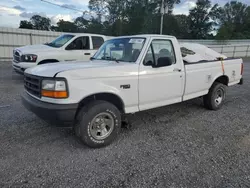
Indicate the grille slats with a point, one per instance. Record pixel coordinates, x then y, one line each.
29 86
16 57
32 85
31 81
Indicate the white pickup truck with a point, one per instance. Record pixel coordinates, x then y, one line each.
67 47
126 75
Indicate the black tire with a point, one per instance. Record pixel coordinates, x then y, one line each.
85 124
211 101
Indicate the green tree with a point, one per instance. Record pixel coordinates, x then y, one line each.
235 21
183 22
95 26
99 7
25 25
136 16
66 26
81 23
40 23
116 15
202 19
54 28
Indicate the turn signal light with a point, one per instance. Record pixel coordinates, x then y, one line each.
55 94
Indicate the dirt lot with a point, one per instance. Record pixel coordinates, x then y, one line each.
182 145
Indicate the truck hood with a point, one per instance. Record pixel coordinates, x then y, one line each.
50 70
34 49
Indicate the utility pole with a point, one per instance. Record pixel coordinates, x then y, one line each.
164 10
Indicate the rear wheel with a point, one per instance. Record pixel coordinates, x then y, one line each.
99 124
215 97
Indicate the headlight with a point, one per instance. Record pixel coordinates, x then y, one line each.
29 58
54 89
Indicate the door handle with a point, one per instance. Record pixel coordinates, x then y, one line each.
177 70
87 54
70 59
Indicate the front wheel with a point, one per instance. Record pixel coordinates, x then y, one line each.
99 124
215 97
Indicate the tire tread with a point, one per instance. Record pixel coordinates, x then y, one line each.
208 99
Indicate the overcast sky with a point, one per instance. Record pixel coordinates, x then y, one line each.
12 11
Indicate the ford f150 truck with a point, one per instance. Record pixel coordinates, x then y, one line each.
67 47
126 75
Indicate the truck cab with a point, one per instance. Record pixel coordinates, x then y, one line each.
126 75
67 47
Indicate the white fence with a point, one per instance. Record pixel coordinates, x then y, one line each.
236 50
11 38
217 42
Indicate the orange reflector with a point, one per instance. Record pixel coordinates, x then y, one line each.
54 94
222 66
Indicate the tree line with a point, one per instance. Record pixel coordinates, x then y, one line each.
115 18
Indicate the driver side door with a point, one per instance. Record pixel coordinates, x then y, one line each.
159 86
78 49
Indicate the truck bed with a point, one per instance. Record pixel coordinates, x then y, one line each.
193 53
200 75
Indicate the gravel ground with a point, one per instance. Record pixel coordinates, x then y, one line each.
182 145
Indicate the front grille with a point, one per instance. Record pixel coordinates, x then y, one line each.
16 57
33 85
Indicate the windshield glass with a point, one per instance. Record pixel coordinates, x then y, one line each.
60 41
122 49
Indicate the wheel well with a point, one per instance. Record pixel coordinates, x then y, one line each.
112 98
48 61
223 79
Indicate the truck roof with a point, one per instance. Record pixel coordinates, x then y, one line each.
125 36
147 36
85 34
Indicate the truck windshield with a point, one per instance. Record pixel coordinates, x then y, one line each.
60 41
121 49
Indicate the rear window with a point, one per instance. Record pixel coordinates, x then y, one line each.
97 42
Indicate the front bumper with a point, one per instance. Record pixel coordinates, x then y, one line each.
22 66
60 115
18 69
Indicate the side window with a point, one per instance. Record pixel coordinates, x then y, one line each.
149 58
97 42
163 48
80 43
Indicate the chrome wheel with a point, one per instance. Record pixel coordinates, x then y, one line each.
220 95
102 126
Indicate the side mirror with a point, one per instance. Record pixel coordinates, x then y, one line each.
149 63
163 62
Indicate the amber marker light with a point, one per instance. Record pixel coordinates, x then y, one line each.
54 89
